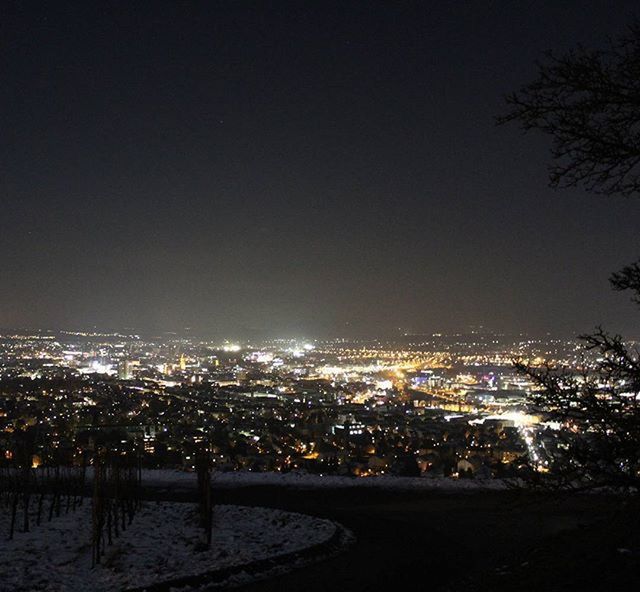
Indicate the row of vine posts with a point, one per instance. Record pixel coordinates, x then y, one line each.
116 496
32 494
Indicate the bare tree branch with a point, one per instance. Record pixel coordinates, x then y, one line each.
588 101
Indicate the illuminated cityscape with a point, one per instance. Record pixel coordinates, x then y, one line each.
319 296
429 405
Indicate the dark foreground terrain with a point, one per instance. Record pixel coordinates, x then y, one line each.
478 541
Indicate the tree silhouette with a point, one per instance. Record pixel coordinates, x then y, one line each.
588 101
599 409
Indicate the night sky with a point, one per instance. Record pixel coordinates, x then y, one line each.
295 169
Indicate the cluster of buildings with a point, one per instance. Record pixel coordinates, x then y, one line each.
333 407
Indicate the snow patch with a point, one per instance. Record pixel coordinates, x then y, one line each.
162 543
181 479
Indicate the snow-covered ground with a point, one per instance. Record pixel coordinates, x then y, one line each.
181 479
161 544
177 479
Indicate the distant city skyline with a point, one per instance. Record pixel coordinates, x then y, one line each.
295 170
256 338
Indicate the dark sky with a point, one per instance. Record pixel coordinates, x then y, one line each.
303 168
